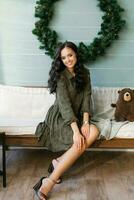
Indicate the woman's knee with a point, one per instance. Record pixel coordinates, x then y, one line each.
93 135
94 130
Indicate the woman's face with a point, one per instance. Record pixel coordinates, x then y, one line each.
68 57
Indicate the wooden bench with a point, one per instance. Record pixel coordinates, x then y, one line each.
36 141
12 106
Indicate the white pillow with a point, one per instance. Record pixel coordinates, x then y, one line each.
24 103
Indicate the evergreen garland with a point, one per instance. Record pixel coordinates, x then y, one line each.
111 25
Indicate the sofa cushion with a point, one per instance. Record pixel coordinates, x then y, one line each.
24 103
102 97
22 108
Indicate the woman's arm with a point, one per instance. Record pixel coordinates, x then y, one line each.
78 139
85 108
67 112
85 129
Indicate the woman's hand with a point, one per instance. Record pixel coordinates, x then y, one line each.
85 130
79 140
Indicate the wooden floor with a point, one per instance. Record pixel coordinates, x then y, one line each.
95 176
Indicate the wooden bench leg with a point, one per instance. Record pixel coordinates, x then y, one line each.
3 172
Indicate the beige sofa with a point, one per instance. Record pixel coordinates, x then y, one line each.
22 108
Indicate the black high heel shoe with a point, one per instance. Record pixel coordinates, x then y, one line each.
51 169
36 188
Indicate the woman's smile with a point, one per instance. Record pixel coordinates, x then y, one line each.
68 57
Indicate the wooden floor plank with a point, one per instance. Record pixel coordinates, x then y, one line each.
95 176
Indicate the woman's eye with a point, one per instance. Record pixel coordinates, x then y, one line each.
70 55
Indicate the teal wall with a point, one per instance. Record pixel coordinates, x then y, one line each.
22 63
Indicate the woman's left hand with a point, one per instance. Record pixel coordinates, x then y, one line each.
85 130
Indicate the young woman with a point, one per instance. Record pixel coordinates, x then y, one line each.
67 125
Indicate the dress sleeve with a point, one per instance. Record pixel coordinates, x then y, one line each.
87 95
64 102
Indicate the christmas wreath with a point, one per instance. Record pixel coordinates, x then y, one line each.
111 25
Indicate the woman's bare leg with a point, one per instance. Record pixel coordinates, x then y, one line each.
93 135
94 132
69 157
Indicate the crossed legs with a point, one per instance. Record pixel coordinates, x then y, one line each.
66 161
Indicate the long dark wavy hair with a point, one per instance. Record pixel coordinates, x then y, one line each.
57 67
